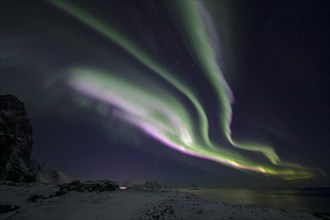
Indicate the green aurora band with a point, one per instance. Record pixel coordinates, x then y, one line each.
200 29
159 113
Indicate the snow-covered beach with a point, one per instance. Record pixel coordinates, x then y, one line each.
42 201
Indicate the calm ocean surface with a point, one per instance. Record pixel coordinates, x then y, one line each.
308 200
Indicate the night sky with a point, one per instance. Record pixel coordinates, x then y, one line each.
213 93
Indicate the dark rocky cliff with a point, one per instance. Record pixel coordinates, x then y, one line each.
16 146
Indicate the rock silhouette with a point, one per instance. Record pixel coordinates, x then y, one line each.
16 146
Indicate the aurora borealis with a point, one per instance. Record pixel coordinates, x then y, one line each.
164 118
145 79
147 112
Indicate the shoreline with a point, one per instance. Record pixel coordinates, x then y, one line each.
35 201
316 200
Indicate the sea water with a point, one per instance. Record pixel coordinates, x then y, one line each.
313 200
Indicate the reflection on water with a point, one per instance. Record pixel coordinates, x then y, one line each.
308 200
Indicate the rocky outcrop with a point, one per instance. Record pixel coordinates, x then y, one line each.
46 174
88 186
16 146
15 141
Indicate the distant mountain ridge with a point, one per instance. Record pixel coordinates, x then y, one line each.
16 147
145 186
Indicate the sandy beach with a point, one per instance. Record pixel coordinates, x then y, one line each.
36 201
